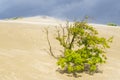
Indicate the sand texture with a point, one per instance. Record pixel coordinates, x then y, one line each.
24 51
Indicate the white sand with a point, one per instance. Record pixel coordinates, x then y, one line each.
24 51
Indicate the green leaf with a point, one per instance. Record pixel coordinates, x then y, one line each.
70 69
93 67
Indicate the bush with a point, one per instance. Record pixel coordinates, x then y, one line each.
112 24
82 47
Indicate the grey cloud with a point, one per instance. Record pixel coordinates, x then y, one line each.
102 11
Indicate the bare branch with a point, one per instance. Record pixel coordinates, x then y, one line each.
50 48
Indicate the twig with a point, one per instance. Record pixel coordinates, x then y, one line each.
50 48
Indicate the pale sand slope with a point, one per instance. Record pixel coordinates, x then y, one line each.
24 52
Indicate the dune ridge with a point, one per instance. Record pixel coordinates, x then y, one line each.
24 53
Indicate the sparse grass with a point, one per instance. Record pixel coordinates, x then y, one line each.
14 18
111 24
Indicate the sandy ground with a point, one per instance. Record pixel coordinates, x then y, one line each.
24 53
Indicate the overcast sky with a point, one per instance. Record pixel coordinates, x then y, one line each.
99 11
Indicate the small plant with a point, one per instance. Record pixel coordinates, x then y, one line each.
14 18
83 48
112 24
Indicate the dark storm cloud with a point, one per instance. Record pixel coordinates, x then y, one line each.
101 11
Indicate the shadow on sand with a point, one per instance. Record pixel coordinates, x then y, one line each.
78 74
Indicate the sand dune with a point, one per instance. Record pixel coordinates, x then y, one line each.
24 51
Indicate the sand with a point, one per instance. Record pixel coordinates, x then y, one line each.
24 51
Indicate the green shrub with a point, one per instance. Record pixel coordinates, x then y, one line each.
14 18
112 24
82 47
